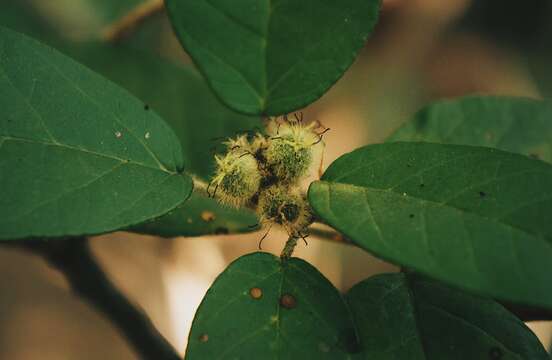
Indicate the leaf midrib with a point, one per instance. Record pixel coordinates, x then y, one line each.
85 95
115 116
6 138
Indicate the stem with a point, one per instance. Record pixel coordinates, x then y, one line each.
199 184
289 247
125 25
329 235
73 258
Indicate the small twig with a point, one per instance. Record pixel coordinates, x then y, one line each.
72 257
125 25
200 185
289 247
329 235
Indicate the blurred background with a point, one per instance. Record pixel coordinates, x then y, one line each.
422 50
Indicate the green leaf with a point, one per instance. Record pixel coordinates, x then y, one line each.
261 308
78 155
199 216
199 120
314 323
404 316
512 124
272 57
470 216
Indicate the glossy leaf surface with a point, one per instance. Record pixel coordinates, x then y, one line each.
471 216
78 155
272 57
260 307
199 120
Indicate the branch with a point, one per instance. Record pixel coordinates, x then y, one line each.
73 258
125 25
329 235
287 251
200 185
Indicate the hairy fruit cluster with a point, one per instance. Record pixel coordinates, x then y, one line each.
264 172
237 178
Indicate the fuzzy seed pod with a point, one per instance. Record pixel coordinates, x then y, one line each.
237 178
284 206
291 150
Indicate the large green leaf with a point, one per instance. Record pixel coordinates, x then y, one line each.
507 123
199 120
471 216
182 98
272 57
78 155
261 308
402 316
241 315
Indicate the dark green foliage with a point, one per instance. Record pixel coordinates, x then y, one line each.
513 124
199 120
471 216
81 156
68 136
272 57
263 308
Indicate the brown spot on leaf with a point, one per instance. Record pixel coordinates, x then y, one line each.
208 216
203 338
256 293
288 301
